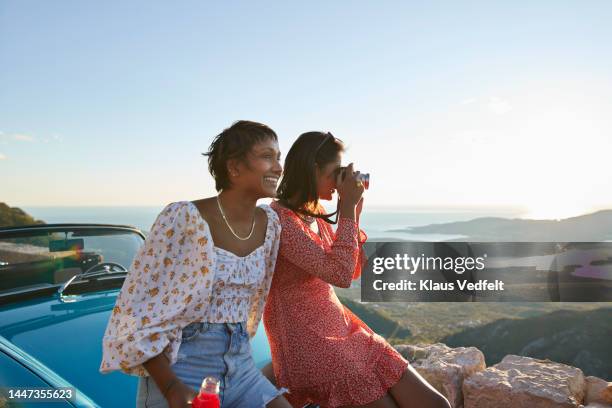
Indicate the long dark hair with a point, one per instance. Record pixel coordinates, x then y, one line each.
298 185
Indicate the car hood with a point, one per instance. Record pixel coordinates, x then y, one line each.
67 338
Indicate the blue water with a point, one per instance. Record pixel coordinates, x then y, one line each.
139 217
376 223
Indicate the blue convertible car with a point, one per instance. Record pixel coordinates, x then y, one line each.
58 284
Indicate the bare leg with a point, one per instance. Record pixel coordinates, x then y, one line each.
413 391
268 372
385 402
279 402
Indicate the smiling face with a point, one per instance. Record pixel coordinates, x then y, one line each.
260 171
326 178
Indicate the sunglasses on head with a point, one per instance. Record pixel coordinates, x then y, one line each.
325 139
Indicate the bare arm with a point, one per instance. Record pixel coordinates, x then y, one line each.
174 390
268 372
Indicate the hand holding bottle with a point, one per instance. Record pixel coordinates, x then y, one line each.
180 395
209 394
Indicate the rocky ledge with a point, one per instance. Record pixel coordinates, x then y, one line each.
516 382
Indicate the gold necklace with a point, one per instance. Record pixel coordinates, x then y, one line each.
230 227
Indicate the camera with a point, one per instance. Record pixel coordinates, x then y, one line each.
363 177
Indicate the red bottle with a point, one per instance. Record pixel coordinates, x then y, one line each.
209 394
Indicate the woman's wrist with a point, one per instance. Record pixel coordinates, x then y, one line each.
159 369
347 210
172 384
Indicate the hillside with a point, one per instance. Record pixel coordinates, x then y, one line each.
13 216
577 338
571 333
590 227
377 320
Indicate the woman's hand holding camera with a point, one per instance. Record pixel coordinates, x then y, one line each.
350 189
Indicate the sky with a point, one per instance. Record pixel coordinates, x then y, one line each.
447 104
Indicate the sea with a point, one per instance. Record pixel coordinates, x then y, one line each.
380 224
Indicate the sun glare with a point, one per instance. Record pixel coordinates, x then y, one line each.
555 211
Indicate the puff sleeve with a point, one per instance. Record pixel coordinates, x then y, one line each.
166 288
271 245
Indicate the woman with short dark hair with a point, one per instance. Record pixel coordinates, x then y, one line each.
321 351
195 292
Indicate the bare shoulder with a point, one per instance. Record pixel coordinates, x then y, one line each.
207 208
261 217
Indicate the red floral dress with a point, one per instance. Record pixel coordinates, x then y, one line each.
321 351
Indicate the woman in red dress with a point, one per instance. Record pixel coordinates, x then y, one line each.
321 351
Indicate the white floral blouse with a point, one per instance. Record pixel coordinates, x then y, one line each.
175 280
237 278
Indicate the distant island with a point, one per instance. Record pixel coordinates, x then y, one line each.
13 216
590 227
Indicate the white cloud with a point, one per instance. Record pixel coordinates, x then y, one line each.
20 137
470 136
498 105
53 139
15 137
2 157
468 101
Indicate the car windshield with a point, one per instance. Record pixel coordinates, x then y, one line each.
45 257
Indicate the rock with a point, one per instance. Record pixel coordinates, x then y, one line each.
598 391
443 367
412 352
524 382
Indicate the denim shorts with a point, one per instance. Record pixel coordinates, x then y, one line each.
221 350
